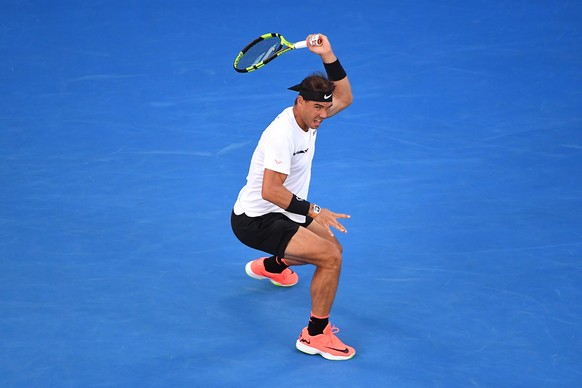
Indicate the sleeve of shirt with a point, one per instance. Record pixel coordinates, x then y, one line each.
278 152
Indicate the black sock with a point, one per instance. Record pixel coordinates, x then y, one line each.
316 325
274 265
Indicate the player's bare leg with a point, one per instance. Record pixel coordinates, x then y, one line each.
316 246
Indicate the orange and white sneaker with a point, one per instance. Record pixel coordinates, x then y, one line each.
256 269
326 344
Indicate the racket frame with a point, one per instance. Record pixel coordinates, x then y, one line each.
286 47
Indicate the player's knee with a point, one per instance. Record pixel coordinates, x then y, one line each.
334 257
341 249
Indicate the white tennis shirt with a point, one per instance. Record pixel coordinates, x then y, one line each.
283 147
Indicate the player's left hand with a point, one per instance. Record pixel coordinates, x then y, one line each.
327 218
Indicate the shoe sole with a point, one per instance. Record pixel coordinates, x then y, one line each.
260 277
313 351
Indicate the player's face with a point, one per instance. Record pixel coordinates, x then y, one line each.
315 112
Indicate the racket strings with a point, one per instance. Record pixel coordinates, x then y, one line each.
260 52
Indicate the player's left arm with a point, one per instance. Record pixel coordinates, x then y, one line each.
342 95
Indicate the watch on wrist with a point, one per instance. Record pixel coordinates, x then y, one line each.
316 209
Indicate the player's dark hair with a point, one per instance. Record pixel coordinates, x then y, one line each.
317 82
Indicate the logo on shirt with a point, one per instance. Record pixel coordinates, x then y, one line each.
300 152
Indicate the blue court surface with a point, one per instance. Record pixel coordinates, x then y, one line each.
125 136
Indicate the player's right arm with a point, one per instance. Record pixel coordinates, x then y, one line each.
342 95
273 189
275 192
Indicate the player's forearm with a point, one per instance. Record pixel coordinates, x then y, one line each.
277 195
328 57
343 92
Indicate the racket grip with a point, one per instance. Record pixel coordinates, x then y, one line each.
301 44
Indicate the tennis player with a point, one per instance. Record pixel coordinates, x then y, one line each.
272 213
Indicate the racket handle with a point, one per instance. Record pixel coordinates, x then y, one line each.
300 44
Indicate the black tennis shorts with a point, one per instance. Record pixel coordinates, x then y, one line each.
269 233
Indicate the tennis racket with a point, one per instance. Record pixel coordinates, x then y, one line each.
266 48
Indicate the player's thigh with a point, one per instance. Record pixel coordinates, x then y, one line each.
323 232
307 246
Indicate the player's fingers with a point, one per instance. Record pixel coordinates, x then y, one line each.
327 223
322 37
328 227
315 40
340 227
